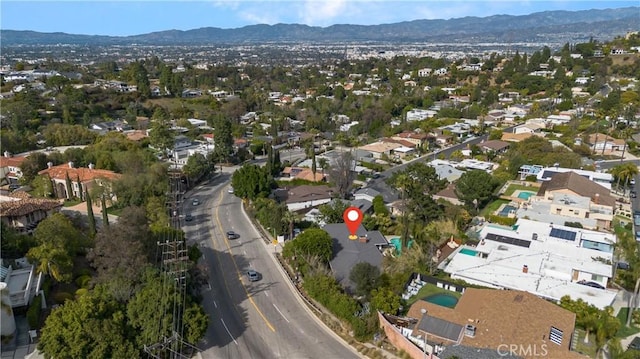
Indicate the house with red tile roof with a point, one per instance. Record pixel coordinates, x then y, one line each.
23 213
10 168
82 179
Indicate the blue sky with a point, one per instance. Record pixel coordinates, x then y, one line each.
121 18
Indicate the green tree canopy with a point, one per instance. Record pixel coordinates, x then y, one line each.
475 188
252 181
313 242
93 326
365 276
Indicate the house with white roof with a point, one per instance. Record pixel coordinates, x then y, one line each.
544 259
418 114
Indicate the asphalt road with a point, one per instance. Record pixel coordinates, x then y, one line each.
262 319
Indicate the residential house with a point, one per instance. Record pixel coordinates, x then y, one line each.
417 138
449 194
306 174
605 143
367 194
23 283
23 213
347 253
305 197
380 148
424 72
572 195
483 321
548 260
603 179
418 114
191 93
459 130
10 168
531 126
81 179
446 170
496 146
515 137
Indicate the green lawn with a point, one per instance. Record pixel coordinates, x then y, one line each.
515 187
625 331
114 211
493 206
588 348
71 203
430 289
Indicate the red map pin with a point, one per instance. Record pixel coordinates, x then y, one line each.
352 218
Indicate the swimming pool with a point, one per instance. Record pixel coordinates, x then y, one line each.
469 252
504 212
525 195
443 300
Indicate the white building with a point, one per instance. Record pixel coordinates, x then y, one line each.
418 114
544 259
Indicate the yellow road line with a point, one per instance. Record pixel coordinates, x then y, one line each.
236 265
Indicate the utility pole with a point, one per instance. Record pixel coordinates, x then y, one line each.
174 265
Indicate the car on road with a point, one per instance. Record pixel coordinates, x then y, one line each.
232 235
195 202
253 275
633 194
230 190
632 182
188 218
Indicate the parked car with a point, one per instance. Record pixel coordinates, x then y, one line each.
253 275
591 284
635 344
232 235
195 202
188 218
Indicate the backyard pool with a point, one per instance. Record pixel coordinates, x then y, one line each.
469 252
443 300
504 212
525 195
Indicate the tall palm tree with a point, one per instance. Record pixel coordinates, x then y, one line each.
624 172
52 261
290 218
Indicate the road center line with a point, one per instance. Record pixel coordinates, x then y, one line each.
228 332
285 318
226 241
215 304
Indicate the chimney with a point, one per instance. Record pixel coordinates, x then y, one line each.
525 269
91 166
70 164
7 154
596 199
49 164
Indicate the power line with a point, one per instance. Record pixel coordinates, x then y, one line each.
174 263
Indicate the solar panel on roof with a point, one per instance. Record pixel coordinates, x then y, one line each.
508 240
563 234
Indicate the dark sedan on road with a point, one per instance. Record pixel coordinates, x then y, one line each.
232 235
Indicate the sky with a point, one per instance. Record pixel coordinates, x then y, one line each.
123 18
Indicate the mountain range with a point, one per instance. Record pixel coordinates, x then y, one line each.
553 27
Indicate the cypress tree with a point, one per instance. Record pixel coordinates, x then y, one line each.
68 182
105 216
91 217
80 192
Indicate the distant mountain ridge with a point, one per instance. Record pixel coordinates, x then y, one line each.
547 26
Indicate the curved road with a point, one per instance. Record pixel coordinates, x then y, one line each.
262 319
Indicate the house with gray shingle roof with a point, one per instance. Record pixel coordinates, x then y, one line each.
347 253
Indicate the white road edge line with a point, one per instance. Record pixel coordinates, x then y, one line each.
228 332
215 304
285 318
266 293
